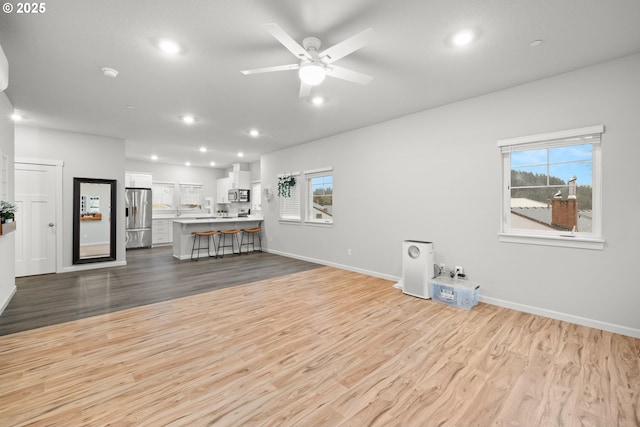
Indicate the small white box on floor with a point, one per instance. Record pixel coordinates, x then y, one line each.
454 292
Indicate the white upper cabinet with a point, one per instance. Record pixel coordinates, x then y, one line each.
222 190
140 180
241 180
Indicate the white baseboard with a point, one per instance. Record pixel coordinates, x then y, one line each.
333 264
7 300
578 320
94 266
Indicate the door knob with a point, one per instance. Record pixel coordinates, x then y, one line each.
51 224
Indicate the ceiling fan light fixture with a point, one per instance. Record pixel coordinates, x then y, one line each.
311 73
317 100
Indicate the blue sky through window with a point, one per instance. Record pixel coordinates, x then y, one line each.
562 162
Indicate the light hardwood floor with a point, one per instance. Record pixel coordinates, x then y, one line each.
324 347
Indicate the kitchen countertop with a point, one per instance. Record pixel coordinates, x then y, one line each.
183 229
216 219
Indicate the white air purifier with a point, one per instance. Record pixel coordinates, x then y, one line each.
417 268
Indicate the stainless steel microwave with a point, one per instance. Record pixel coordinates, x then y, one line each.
238 196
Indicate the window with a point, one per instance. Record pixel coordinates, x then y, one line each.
163 195
290 206
190 196
4 177
256 196
319 196
551 188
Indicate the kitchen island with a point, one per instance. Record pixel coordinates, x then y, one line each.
182 229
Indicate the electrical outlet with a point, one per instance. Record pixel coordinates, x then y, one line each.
458 270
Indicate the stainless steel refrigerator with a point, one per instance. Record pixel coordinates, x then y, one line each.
138 217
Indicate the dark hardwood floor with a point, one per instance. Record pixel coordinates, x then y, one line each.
151 275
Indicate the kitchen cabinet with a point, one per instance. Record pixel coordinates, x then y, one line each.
162 232
139 180
222 191
240 180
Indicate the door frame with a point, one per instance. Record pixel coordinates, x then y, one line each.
59 164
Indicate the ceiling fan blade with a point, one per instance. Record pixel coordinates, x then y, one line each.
349 75
347 46
287 41
270 69
305 90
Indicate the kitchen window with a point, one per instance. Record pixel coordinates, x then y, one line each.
190 196
552 189
319 198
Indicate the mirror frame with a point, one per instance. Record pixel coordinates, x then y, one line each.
76 220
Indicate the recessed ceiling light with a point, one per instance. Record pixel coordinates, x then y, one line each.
462 38
129 107
109 72
187 163
169 46
536 43
241 154
154 157
16 117
203 149
188 119
212 163
317 100
254 133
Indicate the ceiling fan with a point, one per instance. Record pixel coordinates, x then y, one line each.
314 64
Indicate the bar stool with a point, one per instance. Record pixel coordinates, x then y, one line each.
251 232
222 241
198 235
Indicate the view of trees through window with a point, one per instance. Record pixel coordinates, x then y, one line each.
524 187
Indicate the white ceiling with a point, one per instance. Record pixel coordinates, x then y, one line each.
56 59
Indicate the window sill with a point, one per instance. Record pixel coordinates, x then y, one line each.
559 241
319 224
290 221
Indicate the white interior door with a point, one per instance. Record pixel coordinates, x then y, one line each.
36 231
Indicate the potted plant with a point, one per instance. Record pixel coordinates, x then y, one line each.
284 185
7 211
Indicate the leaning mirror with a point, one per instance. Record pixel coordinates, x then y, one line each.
94 220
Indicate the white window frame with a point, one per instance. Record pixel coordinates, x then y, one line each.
256 196
582 240
4 177
309 175
290 208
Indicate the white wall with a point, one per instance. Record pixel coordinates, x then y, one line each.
7 241
84 156
436 176
176 174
